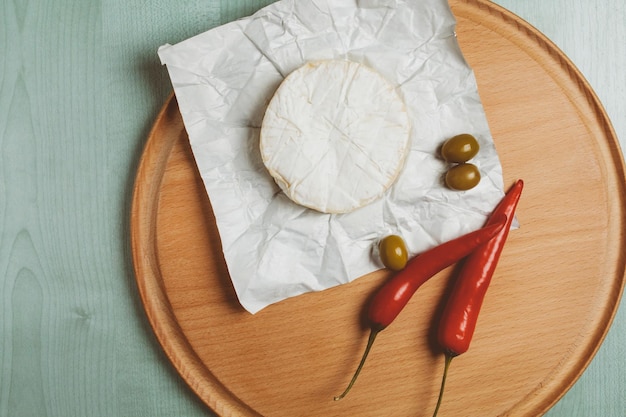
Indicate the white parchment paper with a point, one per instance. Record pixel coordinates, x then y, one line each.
223 80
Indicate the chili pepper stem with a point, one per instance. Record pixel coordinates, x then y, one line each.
370 341
443 382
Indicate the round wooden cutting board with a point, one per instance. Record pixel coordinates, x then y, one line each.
548 309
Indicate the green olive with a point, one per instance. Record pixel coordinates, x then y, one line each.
463 177
460 148
393 253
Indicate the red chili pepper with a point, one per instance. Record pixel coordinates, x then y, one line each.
391 298
460 314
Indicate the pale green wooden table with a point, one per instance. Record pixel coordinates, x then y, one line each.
80 85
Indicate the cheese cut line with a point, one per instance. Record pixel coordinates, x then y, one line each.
335 135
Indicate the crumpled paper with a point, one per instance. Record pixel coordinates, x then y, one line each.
223 80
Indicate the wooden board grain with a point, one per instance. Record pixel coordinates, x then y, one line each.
556 290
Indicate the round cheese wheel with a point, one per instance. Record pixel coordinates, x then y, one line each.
335 135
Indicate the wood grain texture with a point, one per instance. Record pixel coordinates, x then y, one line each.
232 10
54 342
80 86
592 35
561 278
73 340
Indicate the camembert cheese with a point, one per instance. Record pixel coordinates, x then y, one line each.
335 135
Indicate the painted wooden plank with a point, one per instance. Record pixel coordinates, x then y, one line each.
80 85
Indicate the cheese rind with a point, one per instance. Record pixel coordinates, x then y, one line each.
335 135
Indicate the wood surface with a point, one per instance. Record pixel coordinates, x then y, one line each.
557 288
80 87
